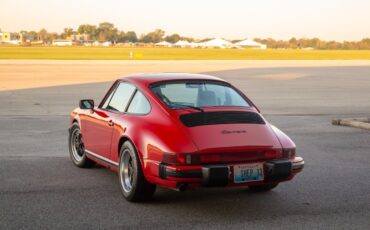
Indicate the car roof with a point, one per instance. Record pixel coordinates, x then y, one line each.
149 78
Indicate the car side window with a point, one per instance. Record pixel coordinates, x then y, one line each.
139 104
106 102
120 98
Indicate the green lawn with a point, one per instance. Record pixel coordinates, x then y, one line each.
120 53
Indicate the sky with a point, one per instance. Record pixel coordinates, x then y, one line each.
231 19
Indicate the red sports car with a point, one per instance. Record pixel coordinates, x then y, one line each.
180 131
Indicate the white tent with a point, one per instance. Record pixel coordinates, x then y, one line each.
251 44
163 44
197 44
218 43
182 44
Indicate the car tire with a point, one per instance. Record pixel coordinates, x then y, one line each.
134 186
263 188
77 149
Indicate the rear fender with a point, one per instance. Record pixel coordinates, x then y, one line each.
285 141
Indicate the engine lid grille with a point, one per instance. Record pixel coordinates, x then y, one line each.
224 117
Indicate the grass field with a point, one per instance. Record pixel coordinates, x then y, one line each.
120 53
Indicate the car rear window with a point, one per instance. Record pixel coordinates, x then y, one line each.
199 94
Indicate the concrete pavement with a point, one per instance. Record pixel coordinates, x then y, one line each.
41 188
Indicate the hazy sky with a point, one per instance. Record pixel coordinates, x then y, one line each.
231 19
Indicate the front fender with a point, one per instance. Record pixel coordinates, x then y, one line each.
74 116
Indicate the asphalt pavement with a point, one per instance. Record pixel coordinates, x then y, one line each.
40 188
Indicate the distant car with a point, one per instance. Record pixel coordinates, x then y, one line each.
180 131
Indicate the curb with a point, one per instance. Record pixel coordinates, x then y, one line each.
362 123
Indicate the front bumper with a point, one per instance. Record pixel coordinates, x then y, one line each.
222 174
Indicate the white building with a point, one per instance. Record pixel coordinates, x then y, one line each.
247 43
61 42
164 44
106 43
11 38
96 43
102 43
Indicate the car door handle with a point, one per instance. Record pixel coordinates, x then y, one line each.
110 123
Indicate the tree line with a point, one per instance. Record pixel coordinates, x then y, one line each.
106 31
315 43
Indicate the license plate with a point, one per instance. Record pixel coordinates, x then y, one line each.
248 172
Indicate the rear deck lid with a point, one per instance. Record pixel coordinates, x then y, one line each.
229 131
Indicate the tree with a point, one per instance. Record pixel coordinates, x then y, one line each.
107 32
130 36
189 39
293 43
51 36
91 30
43 35
32 35
205 40
364 43
67 32
172 38
154 37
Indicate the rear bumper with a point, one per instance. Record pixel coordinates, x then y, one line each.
222 174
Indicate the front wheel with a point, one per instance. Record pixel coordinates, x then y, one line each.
134 186
263 188
77 148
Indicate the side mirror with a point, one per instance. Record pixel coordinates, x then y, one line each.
87 104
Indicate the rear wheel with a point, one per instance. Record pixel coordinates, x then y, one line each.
77 148
263 188
132 182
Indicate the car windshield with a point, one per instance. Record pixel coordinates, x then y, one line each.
198 94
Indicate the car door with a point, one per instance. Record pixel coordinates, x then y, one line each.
98 127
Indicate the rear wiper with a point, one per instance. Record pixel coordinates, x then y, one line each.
188 106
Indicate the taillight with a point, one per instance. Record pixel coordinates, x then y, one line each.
174 158
180 158
289 153
193 159
210 158
273 153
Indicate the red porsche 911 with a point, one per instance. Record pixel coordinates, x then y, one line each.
180 131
